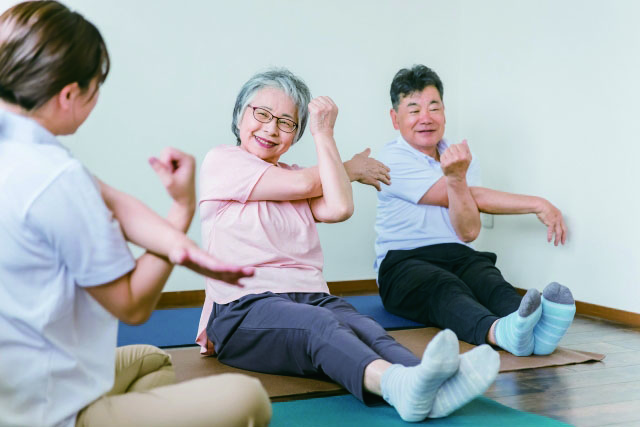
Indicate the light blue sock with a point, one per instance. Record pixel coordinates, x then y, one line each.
558 309
411 390
514 332
478 370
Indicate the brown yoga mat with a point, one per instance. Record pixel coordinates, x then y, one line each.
190 364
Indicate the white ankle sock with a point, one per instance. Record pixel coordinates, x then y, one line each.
411 390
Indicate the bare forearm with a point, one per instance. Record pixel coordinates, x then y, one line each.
500 202
315 183
144 227
463 210
336 185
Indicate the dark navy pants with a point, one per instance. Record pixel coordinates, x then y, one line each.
302 334
449 286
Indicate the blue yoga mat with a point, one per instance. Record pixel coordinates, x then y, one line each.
348 411
371 305
178 327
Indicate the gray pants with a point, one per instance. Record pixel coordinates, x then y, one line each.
302 334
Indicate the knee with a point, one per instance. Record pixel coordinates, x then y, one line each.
141 367
245 401
257 403
147 358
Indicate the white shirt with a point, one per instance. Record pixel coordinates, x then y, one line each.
57 344
402 223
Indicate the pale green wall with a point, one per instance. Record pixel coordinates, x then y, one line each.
545 91
177 68
549 97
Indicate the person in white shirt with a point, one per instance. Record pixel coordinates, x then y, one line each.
66 273
426 219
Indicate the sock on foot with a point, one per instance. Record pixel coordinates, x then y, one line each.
478 370
514 332
411 390
558 309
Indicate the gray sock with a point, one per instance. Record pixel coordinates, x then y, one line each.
555 292
514 332
530 302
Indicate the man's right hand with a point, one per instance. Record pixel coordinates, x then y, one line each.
455 161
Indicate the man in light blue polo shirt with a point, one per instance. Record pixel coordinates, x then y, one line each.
426 219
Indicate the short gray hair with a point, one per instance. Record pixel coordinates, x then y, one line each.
279 78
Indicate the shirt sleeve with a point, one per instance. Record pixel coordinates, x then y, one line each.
71 216
411 177
230 173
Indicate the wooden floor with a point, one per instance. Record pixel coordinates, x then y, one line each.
603 393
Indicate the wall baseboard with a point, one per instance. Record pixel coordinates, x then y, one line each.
368 286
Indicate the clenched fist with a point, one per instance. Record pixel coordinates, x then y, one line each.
455 160
322 115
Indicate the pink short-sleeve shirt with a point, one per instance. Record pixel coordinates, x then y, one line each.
279 238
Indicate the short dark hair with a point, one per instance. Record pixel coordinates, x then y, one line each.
414 79
44 46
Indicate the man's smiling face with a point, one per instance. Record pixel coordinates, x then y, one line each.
420 119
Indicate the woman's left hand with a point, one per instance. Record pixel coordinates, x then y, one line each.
367 170
177 173
322 116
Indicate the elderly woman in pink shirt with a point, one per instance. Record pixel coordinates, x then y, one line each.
256 210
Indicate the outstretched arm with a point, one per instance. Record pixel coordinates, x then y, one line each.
133 297
499 202
283 184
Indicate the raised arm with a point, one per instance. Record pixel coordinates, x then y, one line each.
336 202
133 297
463 210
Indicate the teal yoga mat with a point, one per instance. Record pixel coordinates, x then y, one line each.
348 411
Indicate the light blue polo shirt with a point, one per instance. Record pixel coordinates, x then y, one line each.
57 343
401 223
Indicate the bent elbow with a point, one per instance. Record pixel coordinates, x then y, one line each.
468 238
340 214
136 317
346 213
470 235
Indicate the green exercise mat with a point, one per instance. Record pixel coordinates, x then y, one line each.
348 411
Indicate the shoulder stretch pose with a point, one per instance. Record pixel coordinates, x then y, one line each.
66 273
260 211
426 218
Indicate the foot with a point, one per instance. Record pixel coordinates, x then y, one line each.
478 370
558 309
411 390
514 332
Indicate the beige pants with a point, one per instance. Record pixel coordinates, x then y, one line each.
144 394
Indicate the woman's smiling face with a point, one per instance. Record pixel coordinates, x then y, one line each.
266 140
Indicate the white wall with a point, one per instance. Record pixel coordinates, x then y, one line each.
549 98
545 91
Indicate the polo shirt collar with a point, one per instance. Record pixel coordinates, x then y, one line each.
17 128
442 146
